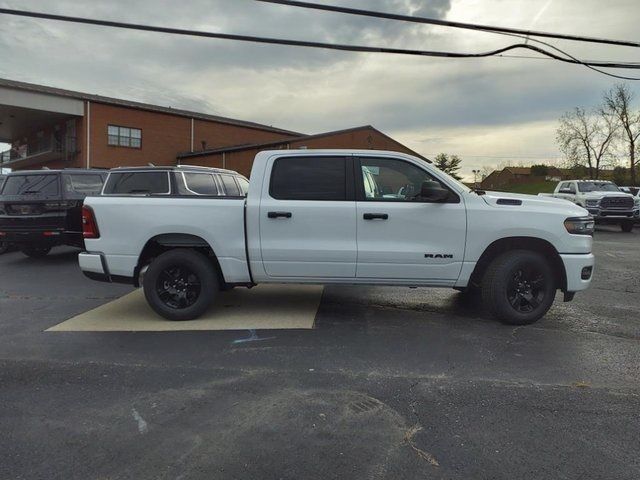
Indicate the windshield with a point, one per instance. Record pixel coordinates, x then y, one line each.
43 185
597 187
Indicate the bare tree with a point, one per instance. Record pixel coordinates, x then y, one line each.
486 171
617 103
587 138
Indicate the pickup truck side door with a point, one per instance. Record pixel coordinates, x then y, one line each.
308 217
401 236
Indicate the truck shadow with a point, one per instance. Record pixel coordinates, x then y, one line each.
56 256
359 306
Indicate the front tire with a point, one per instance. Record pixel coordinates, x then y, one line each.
627 226
180 284
35 252
4 247
519 287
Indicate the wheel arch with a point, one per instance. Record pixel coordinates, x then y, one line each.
164 242
534 244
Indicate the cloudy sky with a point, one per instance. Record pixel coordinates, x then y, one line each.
493 111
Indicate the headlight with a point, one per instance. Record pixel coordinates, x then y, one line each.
580 225
636 202
592 203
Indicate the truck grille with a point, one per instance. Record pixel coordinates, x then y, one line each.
617 203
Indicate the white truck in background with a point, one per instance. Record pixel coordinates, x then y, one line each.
604 201
336 217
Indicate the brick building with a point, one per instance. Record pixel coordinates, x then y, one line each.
509 176
55 128
521 176
240 157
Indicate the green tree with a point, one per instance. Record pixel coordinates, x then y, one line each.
540 170
620 176
448 164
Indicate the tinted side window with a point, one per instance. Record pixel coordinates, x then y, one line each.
387 179
230 186
137 183
82 184
201 183
43 185
309 178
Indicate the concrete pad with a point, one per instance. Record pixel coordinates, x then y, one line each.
262 307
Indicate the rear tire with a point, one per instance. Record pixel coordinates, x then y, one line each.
519 287
181 284
35 252
627 226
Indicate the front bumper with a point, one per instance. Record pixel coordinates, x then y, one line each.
603 216
576 267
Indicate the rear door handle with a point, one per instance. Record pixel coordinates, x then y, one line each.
279 214
374 216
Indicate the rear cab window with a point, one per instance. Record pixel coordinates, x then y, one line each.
32 185
137 183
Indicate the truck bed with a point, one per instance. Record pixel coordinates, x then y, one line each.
218 221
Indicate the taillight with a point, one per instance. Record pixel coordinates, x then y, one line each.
89 225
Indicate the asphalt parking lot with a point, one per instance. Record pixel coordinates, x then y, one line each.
391 383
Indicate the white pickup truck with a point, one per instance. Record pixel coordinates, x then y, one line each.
604 201
338 217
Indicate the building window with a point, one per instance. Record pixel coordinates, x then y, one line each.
124 136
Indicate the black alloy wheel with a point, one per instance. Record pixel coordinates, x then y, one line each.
526 289
178 287
519 287
181 284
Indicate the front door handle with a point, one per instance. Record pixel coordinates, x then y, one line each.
279 214
374 216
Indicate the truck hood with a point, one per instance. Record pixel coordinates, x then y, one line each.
532 202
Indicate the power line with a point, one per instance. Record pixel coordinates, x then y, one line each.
519 33
320 45
448 23
531 57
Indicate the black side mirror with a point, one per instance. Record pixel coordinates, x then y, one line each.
433 192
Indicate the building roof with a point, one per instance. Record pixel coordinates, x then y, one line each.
252 146
519 170
32 87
